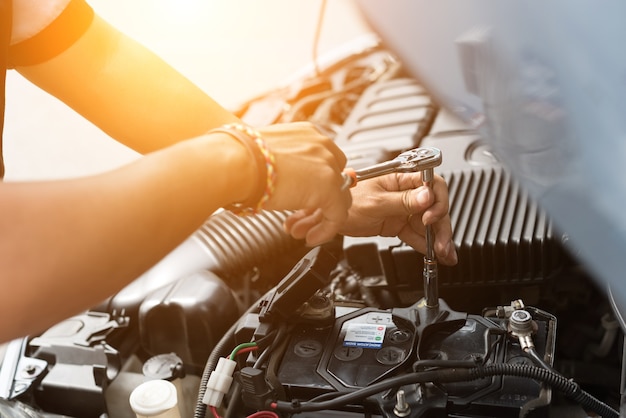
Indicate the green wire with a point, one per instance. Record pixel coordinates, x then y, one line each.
240 347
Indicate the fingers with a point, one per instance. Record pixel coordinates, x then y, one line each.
414 234
300 222
444 243
444 246
432 203
334 214
404 194
325 208
317 226
308 179
296 224
425 206
309 167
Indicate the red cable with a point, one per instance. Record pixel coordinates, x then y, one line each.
214 412
263 414
247 350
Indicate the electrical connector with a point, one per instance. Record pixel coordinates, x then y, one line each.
219 382
256 392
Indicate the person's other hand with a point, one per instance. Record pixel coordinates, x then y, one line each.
308 178
399 205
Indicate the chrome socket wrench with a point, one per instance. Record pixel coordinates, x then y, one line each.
423 159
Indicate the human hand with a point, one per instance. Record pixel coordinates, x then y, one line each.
400 205
308 178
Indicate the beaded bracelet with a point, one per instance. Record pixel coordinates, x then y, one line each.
265 162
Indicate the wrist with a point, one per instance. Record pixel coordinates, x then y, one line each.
261 183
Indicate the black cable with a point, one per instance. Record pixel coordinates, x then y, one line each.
221 349
277 337
422 365
233 404
325 396
278 349
569 388
266 341
422 377
556 381
269 341
500 333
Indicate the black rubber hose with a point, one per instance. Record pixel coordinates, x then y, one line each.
241 242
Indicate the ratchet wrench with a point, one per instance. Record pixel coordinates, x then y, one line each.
423 159
418 159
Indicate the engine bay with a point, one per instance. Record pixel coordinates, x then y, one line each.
518 327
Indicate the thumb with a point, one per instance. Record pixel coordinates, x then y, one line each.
418 200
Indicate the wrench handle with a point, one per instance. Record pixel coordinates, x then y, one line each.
431 285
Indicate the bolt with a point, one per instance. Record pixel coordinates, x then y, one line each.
319 302
521 322
522 326
402 408
30 369
520 316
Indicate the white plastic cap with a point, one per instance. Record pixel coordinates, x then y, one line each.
155 398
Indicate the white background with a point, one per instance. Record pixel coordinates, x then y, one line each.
233 49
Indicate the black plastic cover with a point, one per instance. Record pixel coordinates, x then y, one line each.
187 317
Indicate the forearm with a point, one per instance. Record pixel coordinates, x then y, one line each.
127 91
69 244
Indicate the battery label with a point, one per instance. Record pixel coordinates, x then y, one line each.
364 335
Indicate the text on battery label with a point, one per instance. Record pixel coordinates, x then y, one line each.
364 335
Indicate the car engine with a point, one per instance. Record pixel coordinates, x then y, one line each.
518 328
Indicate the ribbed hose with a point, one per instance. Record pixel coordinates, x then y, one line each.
241 242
